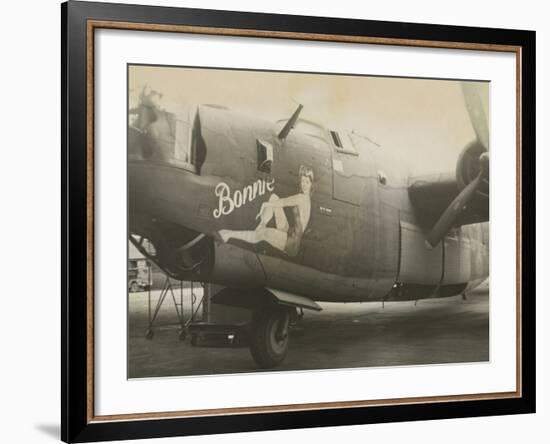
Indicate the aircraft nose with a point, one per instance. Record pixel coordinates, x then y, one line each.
138 147
156 141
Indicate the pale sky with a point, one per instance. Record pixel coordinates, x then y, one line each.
423 122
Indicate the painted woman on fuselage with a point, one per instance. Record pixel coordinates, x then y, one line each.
283 236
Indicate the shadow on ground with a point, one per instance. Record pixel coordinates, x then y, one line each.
434 331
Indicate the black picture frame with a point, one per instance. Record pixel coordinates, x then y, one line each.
77 422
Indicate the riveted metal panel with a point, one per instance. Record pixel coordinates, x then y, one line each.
420 264
458 265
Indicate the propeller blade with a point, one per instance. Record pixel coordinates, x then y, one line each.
478 120
476 112
445 222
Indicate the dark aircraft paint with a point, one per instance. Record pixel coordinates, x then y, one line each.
363 239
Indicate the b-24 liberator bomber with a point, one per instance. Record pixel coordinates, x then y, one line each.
290 213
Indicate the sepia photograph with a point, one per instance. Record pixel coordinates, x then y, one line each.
293 221
275 221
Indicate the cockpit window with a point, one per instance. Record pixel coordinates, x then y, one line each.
170 135
185 137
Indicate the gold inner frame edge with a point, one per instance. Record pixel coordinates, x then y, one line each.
92 25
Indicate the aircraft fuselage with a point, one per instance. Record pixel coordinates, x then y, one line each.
324 214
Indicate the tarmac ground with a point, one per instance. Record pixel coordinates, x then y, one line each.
434 331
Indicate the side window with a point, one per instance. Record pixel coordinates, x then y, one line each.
336 139
342 143
265 156
184 143
189 148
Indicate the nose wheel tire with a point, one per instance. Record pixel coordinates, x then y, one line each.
269 336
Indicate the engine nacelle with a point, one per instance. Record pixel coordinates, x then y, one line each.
473 160
469 164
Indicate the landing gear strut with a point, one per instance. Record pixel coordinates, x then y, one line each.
265 333
269 335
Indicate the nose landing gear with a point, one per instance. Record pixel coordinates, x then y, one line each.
267 333
269 336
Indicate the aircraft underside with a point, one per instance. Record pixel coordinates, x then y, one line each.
185 254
